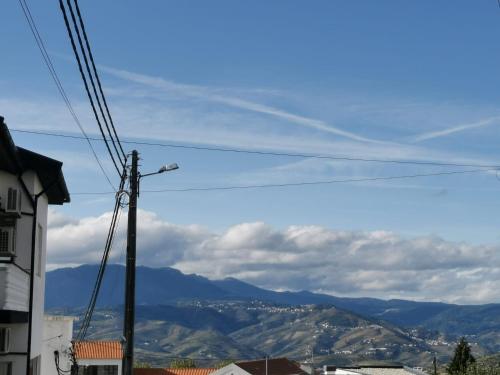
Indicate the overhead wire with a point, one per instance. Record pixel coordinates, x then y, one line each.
102 267
309 183
272 153
55 77
303 183
96 74
91 78
89 95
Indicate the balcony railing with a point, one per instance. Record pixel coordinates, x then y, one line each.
14 288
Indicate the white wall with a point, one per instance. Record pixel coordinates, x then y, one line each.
19 332
57 335
231 369
101 362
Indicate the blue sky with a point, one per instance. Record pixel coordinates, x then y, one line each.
386 79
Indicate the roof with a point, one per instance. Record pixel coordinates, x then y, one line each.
276 366
173 371
17 160
98 350
387 370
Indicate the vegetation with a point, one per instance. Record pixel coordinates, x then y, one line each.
183 363
462 360
142 365
224 363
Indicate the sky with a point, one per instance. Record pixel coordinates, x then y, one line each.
401 80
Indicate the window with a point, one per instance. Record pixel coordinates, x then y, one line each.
35 366
4 339
110 370
98 370
5 368
39 251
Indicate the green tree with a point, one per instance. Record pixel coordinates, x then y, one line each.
224 363
462 359
183 363
142 365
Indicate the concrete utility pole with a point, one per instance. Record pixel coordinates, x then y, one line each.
129 318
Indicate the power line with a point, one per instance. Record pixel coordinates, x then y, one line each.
85 59
97 76
89 95
57 81
105 256
306 183
272 153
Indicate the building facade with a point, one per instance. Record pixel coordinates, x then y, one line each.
56 344
29 183
98 357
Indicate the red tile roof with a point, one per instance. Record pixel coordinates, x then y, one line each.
173 371
98 350
276 366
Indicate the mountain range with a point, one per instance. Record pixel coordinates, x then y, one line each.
243 320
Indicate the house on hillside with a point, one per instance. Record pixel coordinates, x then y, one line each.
98 357
29 183
276 366
372 370
173 371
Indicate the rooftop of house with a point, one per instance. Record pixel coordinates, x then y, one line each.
275 366
382 370
173 371
17 160
393 370
98 350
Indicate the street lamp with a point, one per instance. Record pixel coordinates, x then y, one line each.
163 169
129 316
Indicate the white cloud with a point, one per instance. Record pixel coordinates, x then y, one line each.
455 129
212 95
375 264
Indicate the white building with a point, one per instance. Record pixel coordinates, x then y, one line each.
275 366
372 370
56 344
99 357
29 182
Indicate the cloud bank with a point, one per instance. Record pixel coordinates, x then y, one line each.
372 264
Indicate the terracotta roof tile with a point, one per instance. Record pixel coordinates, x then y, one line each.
98 350
276 366
173 371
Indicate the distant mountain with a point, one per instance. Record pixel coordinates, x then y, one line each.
71 288
240 330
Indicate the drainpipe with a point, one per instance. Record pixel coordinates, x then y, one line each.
32 280
34 204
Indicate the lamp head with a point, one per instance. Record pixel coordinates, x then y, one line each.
168 167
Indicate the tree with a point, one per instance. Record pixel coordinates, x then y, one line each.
183 363
462 359
142 365
224 363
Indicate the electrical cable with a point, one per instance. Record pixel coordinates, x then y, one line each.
57 81
91 78
306 183
59 370
97 76
73 45
273 153
107 248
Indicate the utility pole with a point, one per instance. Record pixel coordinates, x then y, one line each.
129 319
